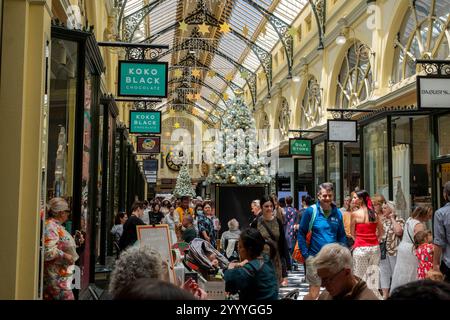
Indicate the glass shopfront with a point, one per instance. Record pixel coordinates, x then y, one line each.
334 168
444 135
352 167
376 175
319 164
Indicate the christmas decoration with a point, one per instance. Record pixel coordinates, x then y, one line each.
236 157
184 185
203 28
183 26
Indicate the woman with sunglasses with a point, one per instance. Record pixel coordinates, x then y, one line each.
60 253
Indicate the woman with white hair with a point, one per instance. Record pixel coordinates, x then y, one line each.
393 231
229 240
334 266
135 263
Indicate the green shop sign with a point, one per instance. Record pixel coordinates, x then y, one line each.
145 121
300 147
143 79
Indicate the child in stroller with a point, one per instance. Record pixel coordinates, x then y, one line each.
204 258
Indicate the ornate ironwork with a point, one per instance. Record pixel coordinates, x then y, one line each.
281 28
311 104
145 105
142 53
319 10
435 67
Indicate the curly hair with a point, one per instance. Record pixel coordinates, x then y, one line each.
135 263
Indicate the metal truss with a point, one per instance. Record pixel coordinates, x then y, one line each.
196 43
186 82
191 62
145 105
281 28
319 9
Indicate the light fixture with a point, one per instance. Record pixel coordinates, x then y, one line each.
138 34
341 39
296 78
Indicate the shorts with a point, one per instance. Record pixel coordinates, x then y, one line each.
311 273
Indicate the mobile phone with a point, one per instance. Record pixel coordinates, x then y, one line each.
191 275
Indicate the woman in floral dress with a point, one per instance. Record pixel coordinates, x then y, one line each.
60 253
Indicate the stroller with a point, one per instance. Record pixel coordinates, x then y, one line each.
197 258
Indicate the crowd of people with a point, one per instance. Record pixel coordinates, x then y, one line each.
362 251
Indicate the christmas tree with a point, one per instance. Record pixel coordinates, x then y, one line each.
236 156
184 185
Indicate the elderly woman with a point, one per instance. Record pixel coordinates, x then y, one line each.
135 263
393 231
59 253
229 240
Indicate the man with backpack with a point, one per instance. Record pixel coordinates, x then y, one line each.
321 224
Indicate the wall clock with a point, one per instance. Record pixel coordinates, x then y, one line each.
171 163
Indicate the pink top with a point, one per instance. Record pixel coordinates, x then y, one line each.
366 235
424 254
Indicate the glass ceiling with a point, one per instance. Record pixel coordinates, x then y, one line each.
163 21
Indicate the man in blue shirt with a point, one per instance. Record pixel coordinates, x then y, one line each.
327 227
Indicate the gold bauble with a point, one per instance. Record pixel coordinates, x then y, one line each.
233 179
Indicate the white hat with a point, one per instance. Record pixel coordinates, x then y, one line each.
199 198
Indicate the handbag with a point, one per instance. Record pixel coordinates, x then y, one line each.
383 250
297 253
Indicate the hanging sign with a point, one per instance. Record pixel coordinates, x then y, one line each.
300 147
148 145
145 121
433 92
342 130
143 79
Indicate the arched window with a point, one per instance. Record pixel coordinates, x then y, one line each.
284 118
311 108
354 83
265 125
423 35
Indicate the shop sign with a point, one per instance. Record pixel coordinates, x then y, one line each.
300 147
342 131
433 92
151 166
148 145
145 121
143 79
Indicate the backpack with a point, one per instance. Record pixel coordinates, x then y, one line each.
297 254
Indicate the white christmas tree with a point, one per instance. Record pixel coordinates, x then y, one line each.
236 156
184 185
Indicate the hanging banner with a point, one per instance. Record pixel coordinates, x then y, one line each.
300 147
433 92
148 145
143 79
342 130
145 121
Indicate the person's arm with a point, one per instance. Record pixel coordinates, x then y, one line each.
380 230
398 227
418 227
236 279
439 237
303 230
51 251
341 236
352 224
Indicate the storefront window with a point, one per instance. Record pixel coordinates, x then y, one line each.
61 125
444 136
319 159
334 169
85 214
410 163
376 176
352 170
98 211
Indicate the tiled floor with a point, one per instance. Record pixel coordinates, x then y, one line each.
296 280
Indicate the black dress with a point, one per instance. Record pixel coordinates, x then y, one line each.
129 234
